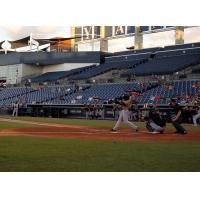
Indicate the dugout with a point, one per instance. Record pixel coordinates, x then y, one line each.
79 111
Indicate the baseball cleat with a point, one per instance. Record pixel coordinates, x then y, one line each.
184 132
113 131
176 132
154 132
136 130
161 132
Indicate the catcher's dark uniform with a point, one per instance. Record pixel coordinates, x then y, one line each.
154 122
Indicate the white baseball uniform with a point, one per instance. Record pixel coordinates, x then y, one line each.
195 117
124 115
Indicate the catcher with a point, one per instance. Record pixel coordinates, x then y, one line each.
154 122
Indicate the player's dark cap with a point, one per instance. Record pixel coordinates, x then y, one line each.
126 97
151 106
173 100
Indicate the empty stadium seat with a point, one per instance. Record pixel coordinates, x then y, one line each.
165 65
68 95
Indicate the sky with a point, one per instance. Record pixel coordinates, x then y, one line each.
18 32
149 40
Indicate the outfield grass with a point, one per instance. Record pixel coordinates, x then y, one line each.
43 154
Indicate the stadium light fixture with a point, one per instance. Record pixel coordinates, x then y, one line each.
6 46
32 42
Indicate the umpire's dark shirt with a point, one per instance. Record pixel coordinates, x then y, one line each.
176 109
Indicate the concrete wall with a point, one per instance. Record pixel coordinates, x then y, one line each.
192 35
120 44
10 59
48 58
53 58
11 73
64 67
89 46
179 35
28 70
16 73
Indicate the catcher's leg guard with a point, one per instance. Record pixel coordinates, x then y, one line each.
149 128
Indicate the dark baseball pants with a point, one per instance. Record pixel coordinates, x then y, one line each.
178 127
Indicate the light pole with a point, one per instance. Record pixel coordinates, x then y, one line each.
27 84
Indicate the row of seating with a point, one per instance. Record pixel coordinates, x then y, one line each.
103 68
37 95
182 52
86 72
103 91
54 76
85 94
161 63
167 50
179 88
124 60
14 92
127 58
165 65
31 95
176 89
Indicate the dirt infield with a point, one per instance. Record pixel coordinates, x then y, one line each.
88 133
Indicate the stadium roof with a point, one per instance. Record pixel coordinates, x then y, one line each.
23 42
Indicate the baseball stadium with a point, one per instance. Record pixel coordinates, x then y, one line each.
101 98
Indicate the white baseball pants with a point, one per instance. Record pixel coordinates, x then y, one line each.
124 116
195 117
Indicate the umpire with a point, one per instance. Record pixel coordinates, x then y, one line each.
177 115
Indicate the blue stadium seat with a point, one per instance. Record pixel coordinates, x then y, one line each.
165 65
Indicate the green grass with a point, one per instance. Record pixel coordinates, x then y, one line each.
9 125
92 123
42 154
79 122
45 154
